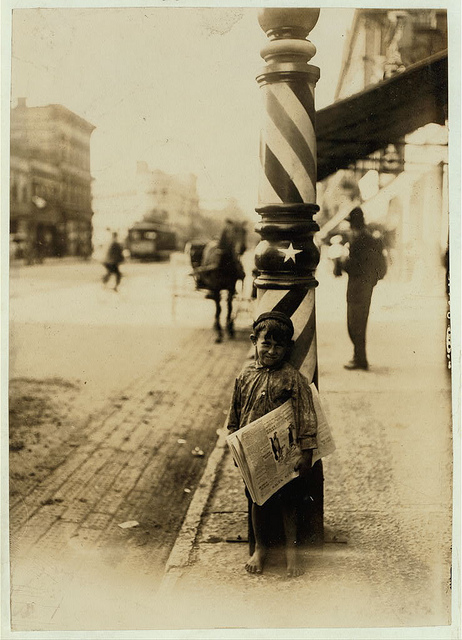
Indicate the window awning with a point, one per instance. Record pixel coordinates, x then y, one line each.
353 128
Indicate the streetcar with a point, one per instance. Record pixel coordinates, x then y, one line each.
151 241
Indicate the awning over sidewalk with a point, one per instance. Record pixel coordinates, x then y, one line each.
353 128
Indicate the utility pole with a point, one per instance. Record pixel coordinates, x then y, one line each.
286 255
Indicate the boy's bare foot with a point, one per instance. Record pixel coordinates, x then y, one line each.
256 561
294 564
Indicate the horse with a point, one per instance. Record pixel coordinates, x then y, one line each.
219 270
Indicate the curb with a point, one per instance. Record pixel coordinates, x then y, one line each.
180 555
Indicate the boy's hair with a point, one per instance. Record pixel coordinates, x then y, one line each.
276 324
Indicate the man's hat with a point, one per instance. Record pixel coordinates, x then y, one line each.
275 315
356 217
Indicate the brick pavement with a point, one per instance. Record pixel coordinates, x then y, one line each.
129 464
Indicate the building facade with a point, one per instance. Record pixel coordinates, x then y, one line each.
149 195
50 183
171 198
382 42
402 187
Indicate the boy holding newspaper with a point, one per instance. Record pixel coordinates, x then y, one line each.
266 384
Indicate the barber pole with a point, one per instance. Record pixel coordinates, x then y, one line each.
286 256
298 304
288 144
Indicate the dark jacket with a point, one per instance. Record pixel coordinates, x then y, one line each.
362 263
258 390
114 253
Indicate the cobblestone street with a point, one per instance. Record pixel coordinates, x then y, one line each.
127 450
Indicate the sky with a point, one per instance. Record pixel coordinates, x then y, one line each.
174 86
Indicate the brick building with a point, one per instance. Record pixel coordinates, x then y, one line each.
50 182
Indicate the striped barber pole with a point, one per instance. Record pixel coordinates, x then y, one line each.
299 306
288 143
287 256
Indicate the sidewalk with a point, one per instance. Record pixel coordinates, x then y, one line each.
386 560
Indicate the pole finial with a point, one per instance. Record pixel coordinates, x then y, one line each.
288 22
287 30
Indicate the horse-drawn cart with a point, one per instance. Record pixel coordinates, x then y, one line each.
211 274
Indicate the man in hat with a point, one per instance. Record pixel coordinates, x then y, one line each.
361 267
114 257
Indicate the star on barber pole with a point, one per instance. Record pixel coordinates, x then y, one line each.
290 253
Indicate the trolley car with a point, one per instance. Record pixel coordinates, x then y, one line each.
151 241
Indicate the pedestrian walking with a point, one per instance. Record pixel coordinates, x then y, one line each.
365 266
263 385
114 257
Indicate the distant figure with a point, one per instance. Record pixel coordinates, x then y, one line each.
241 238
227 245
365 266
114 256
220 269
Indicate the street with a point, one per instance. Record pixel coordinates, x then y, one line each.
65 323
141 388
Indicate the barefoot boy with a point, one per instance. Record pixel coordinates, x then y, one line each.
262 386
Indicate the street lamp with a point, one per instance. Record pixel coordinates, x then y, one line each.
286 257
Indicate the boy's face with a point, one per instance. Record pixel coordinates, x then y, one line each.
270 352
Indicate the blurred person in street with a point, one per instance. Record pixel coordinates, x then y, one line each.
220 270
365 266
335 252
229 245
263 385
241 238
219 260
114 257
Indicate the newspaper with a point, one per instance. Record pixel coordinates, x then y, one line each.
324 440
266 450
